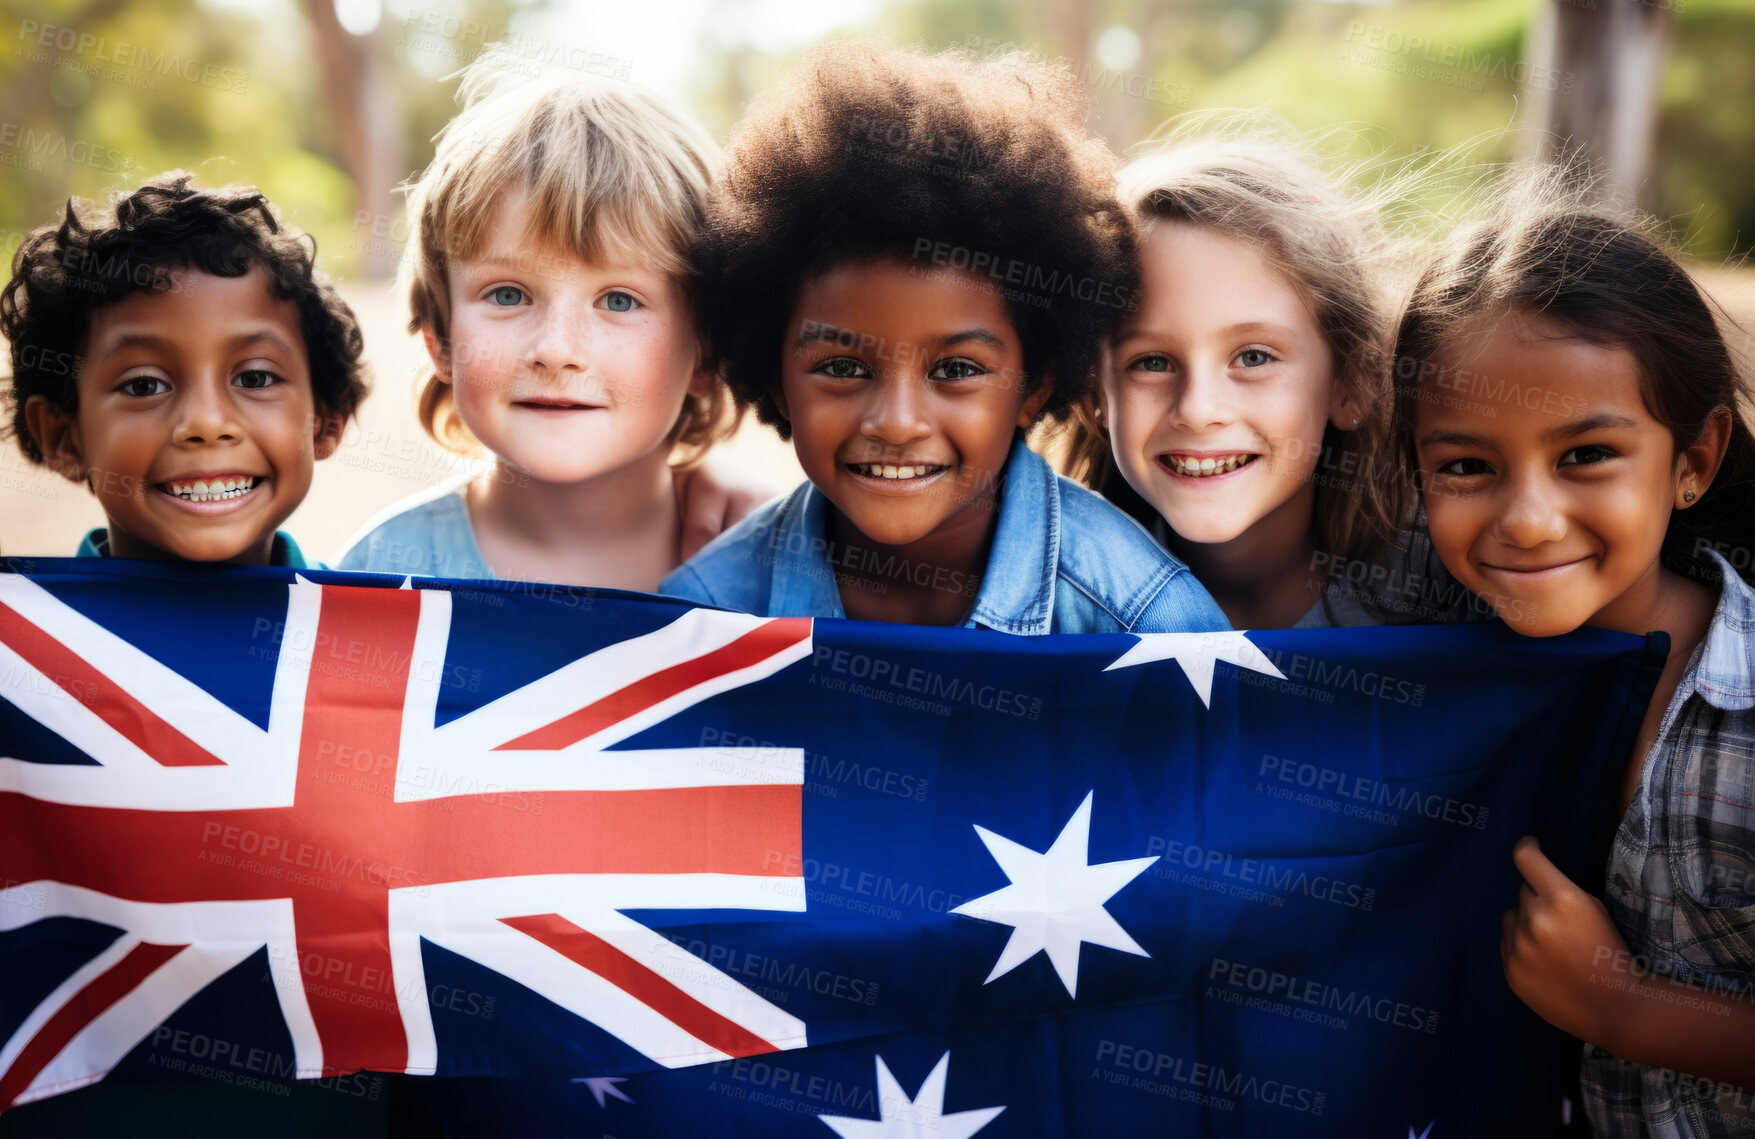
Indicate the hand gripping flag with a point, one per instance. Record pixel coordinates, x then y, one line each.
672 870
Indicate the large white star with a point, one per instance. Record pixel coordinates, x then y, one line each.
602 1086
1055 901
921 1117
1197 653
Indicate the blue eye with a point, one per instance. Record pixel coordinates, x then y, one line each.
842 368
506 296
256 379
619 301
133 386
1587 455
1255 357
1150 363
957 368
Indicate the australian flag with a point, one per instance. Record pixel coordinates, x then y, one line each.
667 871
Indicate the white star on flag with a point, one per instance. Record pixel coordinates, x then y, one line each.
921 1117
602 1086
1197 653
1055 900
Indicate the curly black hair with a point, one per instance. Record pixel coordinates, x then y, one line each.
95 256
869 153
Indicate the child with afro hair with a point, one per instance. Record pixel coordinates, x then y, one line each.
908 262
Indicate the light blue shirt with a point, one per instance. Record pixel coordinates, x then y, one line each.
1063 561
426 534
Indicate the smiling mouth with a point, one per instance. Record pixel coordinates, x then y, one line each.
221 489
897 471
1531 571
1205 467
556 405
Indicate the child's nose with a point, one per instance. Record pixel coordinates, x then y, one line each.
1202 398
896 412
560 343
1534 513
208 415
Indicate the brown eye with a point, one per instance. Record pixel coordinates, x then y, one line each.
842 368
143 386
960 368
1585 456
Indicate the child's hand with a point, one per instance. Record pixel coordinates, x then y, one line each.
1560 951
713 500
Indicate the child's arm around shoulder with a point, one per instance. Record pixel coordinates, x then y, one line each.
735 570
715 496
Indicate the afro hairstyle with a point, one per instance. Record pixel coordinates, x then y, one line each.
870 153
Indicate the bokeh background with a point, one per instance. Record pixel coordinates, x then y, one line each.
328 105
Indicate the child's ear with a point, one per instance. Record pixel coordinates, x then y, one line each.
706 374
326 429
779 394
1341 411
1035 401
1698 463
56 433
439 353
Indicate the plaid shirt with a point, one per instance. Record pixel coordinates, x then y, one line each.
1681 881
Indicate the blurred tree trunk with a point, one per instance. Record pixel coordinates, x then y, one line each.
363 109
1072 26
1595 71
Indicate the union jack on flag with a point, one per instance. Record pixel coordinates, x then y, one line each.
691 872
205 837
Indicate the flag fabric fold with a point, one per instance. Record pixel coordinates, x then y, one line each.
668 870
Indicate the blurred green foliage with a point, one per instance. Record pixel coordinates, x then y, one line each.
234 92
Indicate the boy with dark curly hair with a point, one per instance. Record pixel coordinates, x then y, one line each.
179 353
910 260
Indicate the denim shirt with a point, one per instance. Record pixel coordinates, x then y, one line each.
1681 881
1063 561
426 534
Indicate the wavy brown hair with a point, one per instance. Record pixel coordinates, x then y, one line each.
95 255
1329 243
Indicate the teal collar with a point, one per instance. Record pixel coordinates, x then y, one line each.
286 552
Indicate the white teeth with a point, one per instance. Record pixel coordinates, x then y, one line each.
1199 468
211 490
891 471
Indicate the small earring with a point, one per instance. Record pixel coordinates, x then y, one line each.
1355 423
1687 496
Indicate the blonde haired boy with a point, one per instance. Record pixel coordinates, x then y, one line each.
550 279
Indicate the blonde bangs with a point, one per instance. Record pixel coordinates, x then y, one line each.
609 173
